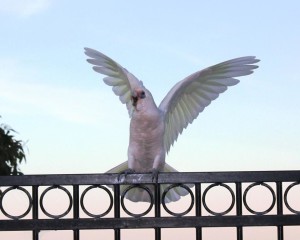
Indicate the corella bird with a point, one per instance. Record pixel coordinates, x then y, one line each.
153 130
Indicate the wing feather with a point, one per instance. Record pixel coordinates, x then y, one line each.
190 96
106 71
112 81
121 81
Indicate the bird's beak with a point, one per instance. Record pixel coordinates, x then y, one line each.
134 100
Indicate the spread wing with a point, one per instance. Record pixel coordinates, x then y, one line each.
190 96
122 81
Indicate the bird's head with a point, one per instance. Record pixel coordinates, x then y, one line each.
137 95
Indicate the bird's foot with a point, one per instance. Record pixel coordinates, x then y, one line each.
125 173
155 173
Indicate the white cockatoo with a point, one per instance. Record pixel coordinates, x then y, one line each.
153 130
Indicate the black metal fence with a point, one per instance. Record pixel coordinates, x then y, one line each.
198 214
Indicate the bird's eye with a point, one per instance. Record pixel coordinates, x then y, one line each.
143 95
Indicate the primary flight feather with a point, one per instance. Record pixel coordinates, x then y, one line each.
153 130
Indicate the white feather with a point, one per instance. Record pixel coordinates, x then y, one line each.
153 130
118 77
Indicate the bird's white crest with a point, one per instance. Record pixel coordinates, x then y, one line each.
153 130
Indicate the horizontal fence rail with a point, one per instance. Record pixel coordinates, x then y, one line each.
238 186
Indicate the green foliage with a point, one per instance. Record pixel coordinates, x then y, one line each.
11 152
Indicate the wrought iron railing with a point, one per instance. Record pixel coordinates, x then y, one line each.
197 215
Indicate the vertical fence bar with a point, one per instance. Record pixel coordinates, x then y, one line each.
76 210
279 208
35 210
157 210
198 209
239 209
117 209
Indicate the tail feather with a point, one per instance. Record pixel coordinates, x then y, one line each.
120 168
141 195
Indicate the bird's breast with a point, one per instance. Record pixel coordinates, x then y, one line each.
146 145
146 132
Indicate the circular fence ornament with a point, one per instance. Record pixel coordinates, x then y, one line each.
150 197
184 212
286 195
266 186
42 202
101 214
29 200
211 211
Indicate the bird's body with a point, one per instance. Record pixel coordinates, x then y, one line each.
146 148
153 130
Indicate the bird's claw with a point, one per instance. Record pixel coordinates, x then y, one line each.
125 173
155 175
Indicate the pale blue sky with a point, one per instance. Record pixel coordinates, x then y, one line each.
75 124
